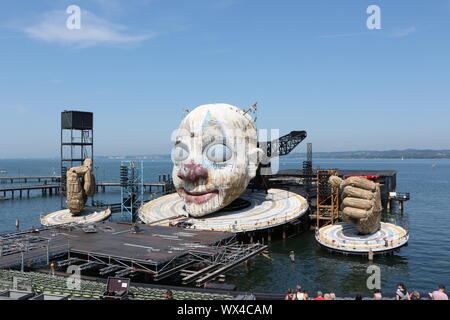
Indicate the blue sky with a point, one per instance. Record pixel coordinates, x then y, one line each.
311 65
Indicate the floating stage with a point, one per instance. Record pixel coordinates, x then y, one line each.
264 211
344 238
120 249
62 217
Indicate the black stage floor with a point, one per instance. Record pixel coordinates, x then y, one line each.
151 245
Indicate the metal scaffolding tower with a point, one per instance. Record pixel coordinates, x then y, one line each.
307 170
77 142
327 199
132 188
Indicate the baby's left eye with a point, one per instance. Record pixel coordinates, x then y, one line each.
218 153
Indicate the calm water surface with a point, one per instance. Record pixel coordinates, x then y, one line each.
422 265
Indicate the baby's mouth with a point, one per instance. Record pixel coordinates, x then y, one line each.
197 197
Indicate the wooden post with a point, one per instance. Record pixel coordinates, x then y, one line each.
17 224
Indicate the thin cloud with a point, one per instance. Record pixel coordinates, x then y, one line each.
341 35
223 4
399 33
17 109
402 32
94 31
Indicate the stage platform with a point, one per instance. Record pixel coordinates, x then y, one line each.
89 215
124 250
265 211
151 244
343 237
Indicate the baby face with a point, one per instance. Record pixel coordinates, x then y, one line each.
215 156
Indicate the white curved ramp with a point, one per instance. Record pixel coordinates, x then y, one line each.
265 211
344 237
88 215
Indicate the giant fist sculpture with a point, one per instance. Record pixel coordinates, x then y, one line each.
80 185
361 202
215 156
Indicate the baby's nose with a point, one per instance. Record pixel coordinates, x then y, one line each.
192 172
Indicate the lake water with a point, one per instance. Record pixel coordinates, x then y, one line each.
422 265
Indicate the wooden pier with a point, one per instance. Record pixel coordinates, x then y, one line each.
6 180
399 197
46 189
161 186
51 189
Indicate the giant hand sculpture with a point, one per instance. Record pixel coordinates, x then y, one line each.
80 185
361 202
215 156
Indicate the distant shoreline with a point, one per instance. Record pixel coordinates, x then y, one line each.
346 155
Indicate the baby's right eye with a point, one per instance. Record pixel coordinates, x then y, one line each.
179 153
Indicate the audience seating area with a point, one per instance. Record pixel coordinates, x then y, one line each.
48 284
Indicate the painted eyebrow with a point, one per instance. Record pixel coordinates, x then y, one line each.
212 139
178 143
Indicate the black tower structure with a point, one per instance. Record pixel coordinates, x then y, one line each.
307 170
77 142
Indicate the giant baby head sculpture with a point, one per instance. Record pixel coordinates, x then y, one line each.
215 156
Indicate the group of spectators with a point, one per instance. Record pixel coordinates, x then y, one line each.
401 294
300 294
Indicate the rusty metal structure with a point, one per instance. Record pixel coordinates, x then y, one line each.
327 210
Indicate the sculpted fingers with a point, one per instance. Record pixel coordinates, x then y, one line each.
355 192
357 203
360 182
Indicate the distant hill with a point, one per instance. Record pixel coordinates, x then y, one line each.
136 157
389 154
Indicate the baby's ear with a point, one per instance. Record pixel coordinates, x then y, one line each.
254 157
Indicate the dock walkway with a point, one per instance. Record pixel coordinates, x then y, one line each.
5 180
50 189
